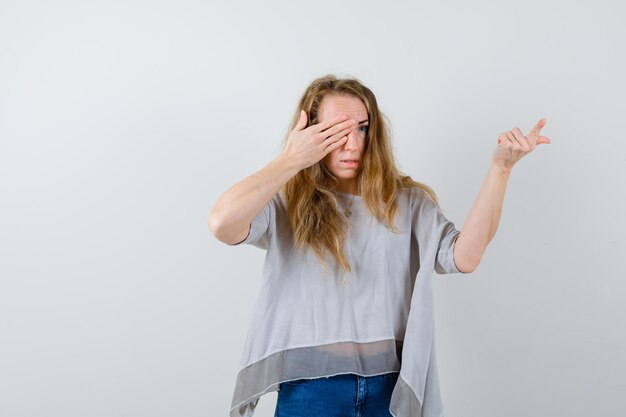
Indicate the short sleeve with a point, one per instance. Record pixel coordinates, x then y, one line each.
444 262
437 230
261 226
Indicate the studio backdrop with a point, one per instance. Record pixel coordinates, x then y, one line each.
122 122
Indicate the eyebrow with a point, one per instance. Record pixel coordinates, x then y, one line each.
363 121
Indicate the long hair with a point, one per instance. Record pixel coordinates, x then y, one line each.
311 203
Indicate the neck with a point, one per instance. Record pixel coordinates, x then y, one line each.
350 187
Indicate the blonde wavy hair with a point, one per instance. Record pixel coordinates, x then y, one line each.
311 202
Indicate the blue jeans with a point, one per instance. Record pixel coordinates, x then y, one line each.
343 395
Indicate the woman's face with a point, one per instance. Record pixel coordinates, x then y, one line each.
345 162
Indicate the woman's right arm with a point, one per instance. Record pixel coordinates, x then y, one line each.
231 216
233 213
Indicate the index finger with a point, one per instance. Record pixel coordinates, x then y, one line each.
321 126
535 130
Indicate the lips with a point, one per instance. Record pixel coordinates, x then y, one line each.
350 163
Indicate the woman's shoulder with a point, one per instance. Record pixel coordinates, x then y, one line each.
413 192
418 195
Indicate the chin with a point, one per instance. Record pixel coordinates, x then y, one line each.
345 175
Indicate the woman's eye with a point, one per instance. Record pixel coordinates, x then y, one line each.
364 127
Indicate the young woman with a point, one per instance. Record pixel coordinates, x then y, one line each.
343 322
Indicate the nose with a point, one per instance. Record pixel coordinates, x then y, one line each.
351 142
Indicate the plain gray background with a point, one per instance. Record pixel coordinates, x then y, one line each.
122 122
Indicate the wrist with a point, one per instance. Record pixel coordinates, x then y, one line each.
287 164
501 169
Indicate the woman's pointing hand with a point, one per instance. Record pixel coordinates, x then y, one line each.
513 145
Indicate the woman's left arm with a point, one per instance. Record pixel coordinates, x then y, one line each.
483 219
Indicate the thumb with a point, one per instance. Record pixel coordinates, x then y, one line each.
543 139
302 120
